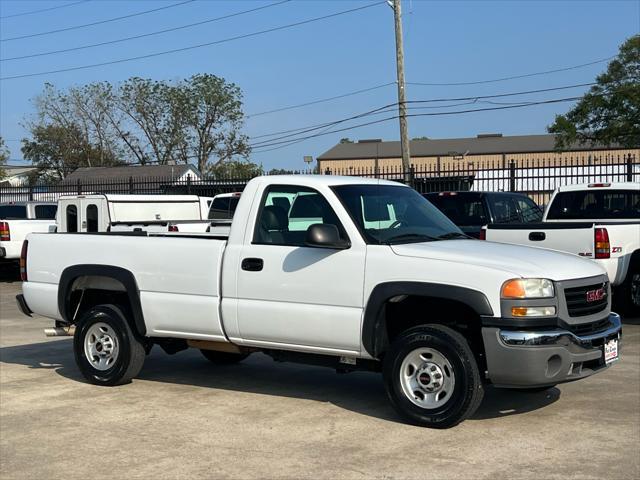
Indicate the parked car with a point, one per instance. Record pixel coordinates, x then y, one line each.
153 213
331 282
472 210
600 221
221 212
19 219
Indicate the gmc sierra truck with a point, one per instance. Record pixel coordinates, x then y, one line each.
354 274
600 221
17 219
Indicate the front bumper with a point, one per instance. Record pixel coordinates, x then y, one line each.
522 358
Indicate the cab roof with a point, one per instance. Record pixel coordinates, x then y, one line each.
600 186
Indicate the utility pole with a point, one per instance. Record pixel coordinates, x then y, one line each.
402 105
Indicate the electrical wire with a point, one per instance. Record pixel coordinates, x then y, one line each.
144 35
100 22
32 12
192 47
457 112
513 77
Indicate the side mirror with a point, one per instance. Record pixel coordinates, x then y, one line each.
324 235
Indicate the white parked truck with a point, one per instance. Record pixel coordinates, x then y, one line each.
600 221
327 278
117 213
17 219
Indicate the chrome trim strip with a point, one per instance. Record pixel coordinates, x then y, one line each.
556 337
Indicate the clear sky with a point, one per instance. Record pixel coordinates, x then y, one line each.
445 42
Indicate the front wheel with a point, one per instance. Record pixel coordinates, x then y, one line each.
627 295
432 378
106 351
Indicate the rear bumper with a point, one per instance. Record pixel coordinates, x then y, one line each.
520 358
22 305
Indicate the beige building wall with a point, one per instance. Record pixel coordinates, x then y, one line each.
592 157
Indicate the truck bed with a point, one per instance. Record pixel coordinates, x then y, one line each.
178 276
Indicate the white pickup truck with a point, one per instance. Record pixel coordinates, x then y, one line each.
354 274
600 221
17 219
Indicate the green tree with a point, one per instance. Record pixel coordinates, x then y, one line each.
235 169
420 138
610 111
58 150
4 156
346 140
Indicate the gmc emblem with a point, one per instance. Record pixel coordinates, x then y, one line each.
596 295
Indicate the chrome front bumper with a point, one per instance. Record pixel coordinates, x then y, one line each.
519 358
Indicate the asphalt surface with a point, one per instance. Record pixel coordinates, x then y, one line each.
185 418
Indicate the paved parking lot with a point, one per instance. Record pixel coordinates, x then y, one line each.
184 418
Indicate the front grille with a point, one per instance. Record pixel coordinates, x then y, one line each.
579 306
589 328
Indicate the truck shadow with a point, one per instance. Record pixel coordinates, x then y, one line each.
360 392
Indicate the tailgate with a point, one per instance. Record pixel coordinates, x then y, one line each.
575 238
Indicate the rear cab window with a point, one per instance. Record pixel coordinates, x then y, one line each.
223 208
13 212
595 204
46 212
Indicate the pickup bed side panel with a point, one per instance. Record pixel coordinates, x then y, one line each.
177 278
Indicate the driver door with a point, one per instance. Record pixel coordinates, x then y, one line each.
291 295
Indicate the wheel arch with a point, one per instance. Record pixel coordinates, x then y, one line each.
107 273
374 326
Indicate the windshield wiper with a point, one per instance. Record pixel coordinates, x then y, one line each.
450 235
410 237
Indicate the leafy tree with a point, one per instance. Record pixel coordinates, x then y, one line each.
281 171
235 169
4 156
346 140
610 111
58 150
420 138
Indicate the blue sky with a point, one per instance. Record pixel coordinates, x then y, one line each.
445 42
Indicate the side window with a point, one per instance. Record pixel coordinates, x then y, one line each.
504 209
287 212
72 218
92 218
223 208
529 210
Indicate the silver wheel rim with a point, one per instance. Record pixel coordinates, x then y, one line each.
635 289
427 378
101 346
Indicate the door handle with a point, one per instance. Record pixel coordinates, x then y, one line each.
537 236
252 264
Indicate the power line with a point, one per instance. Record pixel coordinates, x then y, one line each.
513 77
457 112
144 35
100 22
466 100
322 100
192 47
32 12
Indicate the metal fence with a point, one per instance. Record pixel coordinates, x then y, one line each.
536 178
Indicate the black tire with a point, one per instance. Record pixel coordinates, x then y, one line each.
127 360
223 358
628 290
468 389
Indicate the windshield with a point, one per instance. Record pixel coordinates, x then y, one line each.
595 204
386 214
461 208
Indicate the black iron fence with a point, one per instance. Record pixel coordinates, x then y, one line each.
536 178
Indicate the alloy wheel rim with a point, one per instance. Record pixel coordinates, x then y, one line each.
101 346
427 378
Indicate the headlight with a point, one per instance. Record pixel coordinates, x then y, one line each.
528 288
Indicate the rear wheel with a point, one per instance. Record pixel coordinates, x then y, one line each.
223 358
431 377
105 349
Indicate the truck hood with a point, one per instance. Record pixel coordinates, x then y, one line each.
526 262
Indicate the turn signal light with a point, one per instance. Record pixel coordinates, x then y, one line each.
602 245
533 311
483 234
